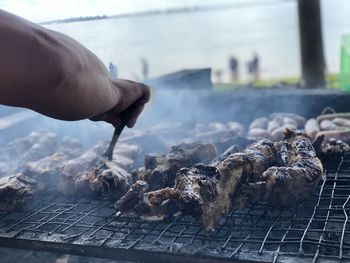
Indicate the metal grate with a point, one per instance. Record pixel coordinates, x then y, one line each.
316 231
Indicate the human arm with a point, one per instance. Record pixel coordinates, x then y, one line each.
53 74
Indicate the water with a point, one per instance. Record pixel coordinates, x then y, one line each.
207 38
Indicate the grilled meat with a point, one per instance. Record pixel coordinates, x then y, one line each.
194 190
36 176
46 170
329 148
74 174
16 190
292 183
203 191
110 179
236 180
31 148
160 170
78 175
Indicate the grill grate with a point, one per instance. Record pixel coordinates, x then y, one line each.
318 230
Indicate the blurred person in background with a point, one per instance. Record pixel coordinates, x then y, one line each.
145 68
218 75
233 65
113 71
53 74
254 68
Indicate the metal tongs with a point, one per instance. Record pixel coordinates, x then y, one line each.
108 154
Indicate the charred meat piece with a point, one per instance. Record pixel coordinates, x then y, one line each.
16 190
31 148
332 147
224 155
90 173
194 190
244 167
160 170
109 179
74 174
295 181
205 192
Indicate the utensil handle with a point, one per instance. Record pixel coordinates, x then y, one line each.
108 154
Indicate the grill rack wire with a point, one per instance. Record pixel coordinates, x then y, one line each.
316 231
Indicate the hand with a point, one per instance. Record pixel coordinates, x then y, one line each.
132 97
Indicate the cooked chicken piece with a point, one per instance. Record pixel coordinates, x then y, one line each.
329 148
224 155
90 173
194 190
160 170
205 192
292 183
36 176
343 135
28 149
47 169
74 174
16 190
110 179
19 146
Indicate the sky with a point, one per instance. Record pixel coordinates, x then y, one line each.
48 10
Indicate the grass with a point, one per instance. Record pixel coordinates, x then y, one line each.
331 79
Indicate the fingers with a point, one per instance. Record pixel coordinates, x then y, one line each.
134 115
132 98
131 92
110 117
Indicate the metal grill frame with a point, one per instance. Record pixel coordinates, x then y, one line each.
316 231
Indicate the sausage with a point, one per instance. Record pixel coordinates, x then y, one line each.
278 134
343 135
272 125
259 133
342 122
260 123
328 125
236 127
344 115
286 120
217 126
312 128
300 120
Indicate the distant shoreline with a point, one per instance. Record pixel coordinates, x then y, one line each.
145 13
159 12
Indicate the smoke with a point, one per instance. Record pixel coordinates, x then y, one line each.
180 101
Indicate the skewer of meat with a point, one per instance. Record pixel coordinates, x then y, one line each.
293 182
208 192
160 169
205 192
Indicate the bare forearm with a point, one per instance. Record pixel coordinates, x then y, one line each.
50 72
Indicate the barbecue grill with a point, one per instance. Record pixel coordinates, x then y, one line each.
317 231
